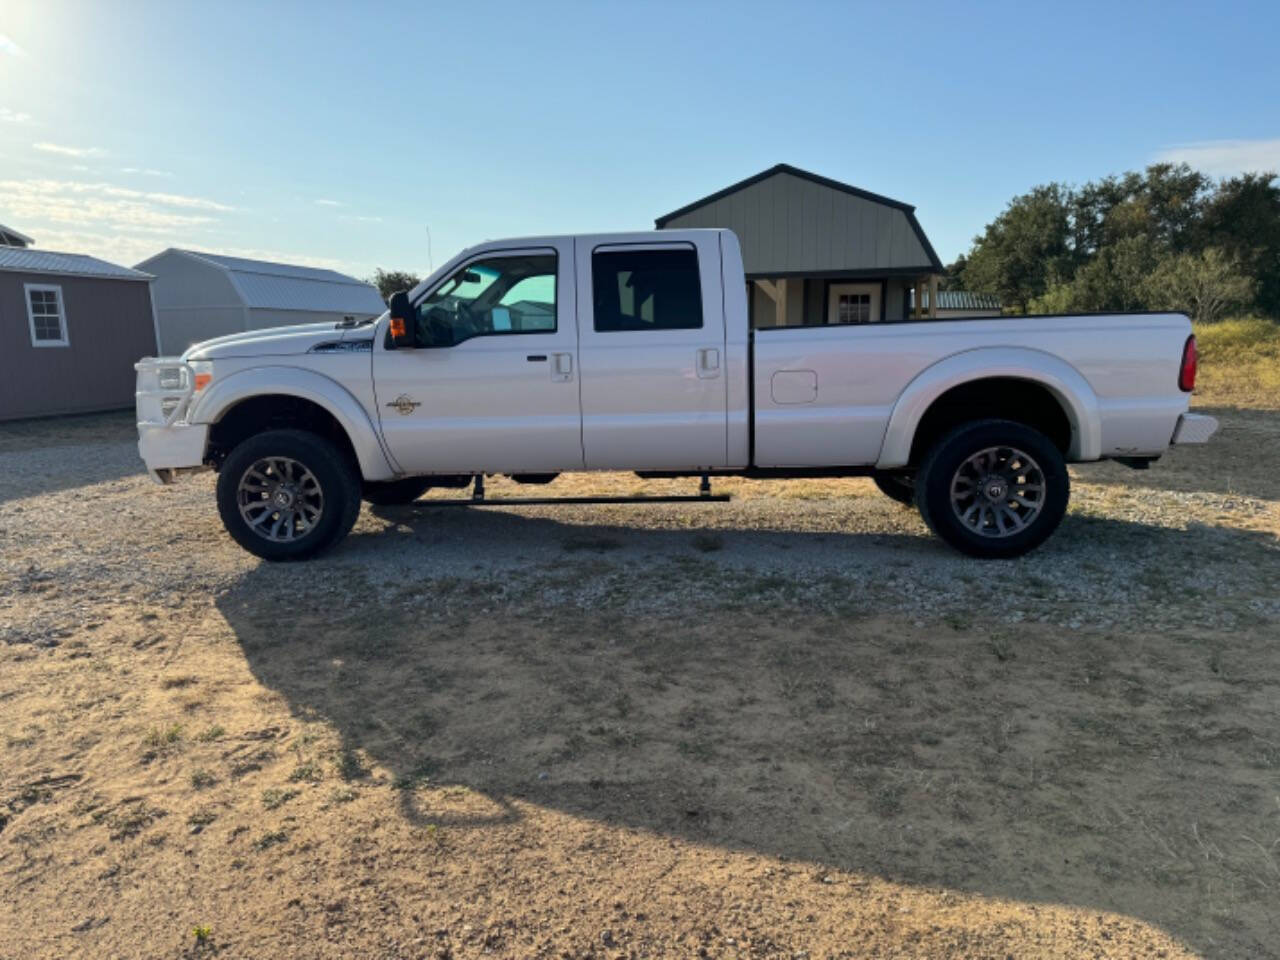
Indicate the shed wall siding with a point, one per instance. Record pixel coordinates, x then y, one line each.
181 327
109 328
790 225
181 281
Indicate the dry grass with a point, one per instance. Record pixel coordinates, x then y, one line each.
1239 364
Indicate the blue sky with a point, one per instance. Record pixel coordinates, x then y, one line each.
340 134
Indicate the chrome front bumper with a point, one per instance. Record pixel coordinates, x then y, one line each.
166 442
168 449
1194 428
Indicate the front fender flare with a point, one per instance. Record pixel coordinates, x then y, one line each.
1068 386
225 393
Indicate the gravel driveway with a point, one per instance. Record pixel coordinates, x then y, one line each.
800 693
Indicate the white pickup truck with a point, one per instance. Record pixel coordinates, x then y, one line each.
633 351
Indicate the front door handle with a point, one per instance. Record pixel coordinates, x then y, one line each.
562 367
708 363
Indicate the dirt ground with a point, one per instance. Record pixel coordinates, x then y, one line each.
791 726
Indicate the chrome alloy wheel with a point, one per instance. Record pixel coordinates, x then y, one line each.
998 492
280 499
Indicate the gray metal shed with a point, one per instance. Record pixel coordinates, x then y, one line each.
819 251
204 295
71 329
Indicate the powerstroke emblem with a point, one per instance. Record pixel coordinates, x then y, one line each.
404 404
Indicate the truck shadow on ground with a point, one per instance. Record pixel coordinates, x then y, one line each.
656 689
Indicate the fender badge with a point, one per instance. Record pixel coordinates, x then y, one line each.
404 405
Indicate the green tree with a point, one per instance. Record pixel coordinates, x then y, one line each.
1204 285
389 281
1025 249
1243 219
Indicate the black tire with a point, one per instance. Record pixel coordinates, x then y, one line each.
321 466
897 486
1012 516
395 493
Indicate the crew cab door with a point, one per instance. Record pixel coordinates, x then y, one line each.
652 348
492 385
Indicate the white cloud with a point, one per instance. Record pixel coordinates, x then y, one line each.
354 219
1224 158
65 151
13 116
84 206
328 203
147 171
8 46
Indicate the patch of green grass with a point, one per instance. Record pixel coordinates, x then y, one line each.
202 818
202 779
419 775
887 801
351 767
343 794
310 772
132 819
160 741
202 933
211 734
275 797
268 840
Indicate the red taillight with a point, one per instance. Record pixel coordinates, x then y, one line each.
1190 361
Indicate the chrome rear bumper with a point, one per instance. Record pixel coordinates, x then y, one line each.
1194 428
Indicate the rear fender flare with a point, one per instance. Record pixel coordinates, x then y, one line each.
1065 382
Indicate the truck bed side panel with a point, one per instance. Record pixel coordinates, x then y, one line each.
859 373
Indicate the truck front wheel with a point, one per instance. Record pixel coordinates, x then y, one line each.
993 488
287 494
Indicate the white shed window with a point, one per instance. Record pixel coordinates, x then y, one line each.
46 315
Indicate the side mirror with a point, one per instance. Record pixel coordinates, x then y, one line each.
401 320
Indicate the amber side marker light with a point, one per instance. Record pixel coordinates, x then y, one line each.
397 327
1190 363
203 380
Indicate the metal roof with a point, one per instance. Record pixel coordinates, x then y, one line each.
285 286
64 264
785 168
960 300
8 232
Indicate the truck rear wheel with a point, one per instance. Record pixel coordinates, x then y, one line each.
287 494
993 488
897 486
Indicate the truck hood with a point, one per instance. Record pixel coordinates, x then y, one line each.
277 341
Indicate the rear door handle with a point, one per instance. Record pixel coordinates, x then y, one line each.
708 363
537 358
562 368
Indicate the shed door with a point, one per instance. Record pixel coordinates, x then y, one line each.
853 303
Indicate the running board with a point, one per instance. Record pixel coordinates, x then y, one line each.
541 501
478 498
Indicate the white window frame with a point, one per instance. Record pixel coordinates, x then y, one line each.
871 290
27 289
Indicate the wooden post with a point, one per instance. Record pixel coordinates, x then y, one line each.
933 297
782 302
